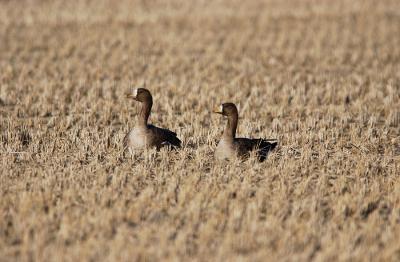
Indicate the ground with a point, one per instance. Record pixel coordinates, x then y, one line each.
322 77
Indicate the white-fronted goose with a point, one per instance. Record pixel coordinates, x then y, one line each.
145 135
231 147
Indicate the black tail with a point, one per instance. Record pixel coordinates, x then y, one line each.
265 148
273 145
172 142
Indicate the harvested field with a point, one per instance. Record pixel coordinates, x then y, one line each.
322 77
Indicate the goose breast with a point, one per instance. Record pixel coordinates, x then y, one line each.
137 138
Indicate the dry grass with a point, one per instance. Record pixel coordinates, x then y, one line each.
323 77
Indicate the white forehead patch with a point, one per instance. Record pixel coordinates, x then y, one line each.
221 108
135 91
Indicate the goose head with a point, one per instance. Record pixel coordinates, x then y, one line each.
227 109
140 95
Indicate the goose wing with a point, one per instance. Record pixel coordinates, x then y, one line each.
164 137
262 146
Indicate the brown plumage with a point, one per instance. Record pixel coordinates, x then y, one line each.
145 135
230 147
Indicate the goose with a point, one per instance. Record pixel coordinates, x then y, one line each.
144 135
231 147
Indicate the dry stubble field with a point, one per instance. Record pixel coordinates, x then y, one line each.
323 77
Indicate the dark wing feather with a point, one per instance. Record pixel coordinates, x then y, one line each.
246 145
164 137
265 147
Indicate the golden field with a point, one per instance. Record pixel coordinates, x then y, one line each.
322 77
